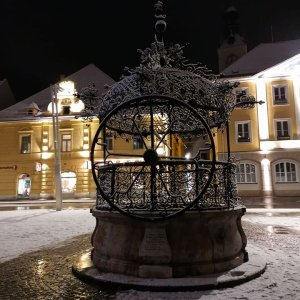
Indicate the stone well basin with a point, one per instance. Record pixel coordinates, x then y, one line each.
195 243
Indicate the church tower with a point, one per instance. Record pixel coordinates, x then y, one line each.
233 45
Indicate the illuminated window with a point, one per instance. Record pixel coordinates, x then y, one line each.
138 142
243 132
285 172
246 173
24 186
26 144
279 94
66 142
282 129
68 182
138 180
241 94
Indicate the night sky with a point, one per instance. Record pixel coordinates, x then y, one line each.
41 40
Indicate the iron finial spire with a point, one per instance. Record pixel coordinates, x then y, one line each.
160 24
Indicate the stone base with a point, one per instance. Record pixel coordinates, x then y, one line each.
256 265
192 244
148 271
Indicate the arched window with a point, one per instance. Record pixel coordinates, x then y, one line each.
246 173
285 172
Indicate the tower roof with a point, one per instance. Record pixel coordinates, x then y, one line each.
262 57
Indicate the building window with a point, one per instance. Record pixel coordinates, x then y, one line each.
68 182
243 132
246 173
138 142
280 94
24 186
282 129
25 144
285 172
66 142
241 94
109 142
66 110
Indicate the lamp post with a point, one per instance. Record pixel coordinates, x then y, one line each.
56 146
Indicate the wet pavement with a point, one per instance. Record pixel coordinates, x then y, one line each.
267 202
270 202
47 274
44 206
27 204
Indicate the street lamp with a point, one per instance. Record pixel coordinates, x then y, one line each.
56 144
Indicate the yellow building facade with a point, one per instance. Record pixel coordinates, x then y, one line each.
29 133
28 160
27 163
265 140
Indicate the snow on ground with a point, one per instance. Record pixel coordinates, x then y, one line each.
30 230
280 281
291 222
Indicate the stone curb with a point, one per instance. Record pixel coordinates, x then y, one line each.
85 271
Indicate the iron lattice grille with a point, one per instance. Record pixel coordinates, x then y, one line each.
167 118
158 180
128 187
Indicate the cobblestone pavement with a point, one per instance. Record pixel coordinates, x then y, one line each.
46 274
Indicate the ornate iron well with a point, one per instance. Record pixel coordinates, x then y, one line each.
160 213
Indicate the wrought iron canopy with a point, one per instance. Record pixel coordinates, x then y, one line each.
163 101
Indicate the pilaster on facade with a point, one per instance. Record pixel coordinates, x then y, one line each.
296 87
267 189
262 110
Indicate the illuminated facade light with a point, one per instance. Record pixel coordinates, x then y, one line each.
287 144
66 90
77 107
66 98
59 108
296 86
45 155
188 155
37 166
266 176
88 165
160 151
263 125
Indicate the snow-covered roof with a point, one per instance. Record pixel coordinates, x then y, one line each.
262 57
82 78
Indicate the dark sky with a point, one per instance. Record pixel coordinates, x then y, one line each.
42 39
